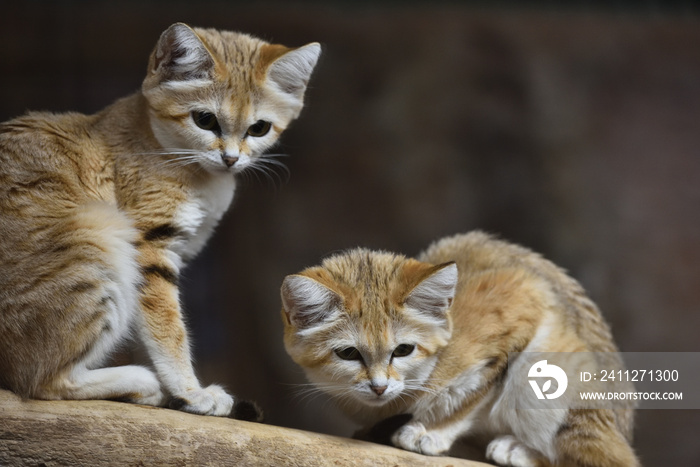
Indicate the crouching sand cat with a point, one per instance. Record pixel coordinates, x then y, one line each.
388 335
99 213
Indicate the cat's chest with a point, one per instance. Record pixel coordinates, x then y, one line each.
201 212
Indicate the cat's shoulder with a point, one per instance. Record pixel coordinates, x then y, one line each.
45 127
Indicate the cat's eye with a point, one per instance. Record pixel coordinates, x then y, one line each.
348 353
206 121
403 350
259 128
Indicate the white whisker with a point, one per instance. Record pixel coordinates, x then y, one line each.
268 166
174 157
168 151
329 392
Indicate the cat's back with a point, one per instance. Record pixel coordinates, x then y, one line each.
479 254
43 140
478 251
49 161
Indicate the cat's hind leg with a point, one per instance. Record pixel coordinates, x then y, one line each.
129 383
94 293
593 438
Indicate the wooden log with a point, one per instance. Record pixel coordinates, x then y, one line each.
96 433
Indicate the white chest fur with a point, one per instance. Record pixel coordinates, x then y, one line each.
197 217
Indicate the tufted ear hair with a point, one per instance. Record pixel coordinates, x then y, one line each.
180 55
433 295
307 302
290 69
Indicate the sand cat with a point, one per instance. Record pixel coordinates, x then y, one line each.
387 335
99 213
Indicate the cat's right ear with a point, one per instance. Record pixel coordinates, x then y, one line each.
435 292
290 69
307 302
180 56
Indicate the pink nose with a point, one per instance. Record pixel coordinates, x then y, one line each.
378 390
229 160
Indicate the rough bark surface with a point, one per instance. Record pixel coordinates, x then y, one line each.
112 433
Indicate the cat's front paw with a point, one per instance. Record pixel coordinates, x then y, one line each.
415 437
508 451
212 400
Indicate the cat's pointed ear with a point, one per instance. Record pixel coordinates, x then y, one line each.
180 55
307 302
290 69
434 294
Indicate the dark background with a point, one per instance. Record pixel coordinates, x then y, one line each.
574 131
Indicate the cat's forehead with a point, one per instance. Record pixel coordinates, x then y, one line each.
240 57
369 282
361 266
230 46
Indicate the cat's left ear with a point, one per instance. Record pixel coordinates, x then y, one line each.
433 295
290 69
180 55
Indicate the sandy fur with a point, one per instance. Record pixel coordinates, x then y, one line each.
507 299
100 212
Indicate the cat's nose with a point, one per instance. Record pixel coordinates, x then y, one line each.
229 160
378 390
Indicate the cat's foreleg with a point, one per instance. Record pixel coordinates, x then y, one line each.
444 415
165 337
437 437
439 419
421 437
508 450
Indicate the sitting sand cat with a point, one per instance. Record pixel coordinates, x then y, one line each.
386 335
99 213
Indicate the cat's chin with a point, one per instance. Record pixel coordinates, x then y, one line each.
375 401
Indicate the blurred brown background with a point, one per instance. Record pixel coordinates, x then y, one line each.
574 131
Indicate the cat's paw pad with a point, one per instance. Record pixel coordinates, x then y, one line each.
212 400
414 437
508 451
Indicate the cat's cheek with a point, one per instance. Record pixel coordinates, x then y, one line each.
419 370
259 145
395 389
169 134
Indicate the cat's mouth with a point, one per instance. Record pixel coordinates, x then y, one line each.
378 398
235 164
224 163
242 162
